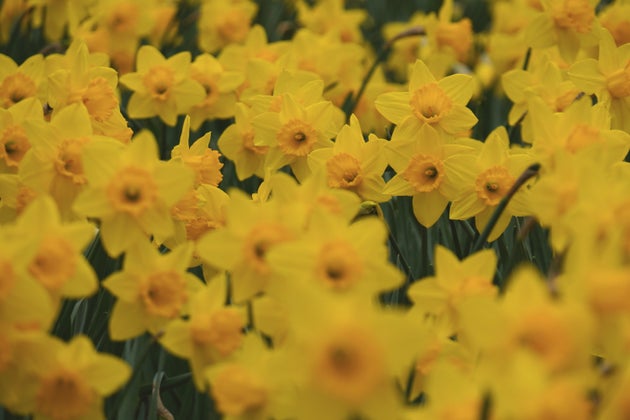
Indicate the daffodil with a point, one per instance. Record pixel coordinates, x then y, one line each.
406 51
345 354
453 282
199 157
58 264
21 82
495 169
608 78
91 85
70 380
162 86
151 290
425 170
224 22
253 384
331 16
352 163
294 132
302 201
59 15
569 24
15 127
336 256
241 246
220 86
54 164
23 301
438 103
199 211
237 144
130 191
543 79
212 332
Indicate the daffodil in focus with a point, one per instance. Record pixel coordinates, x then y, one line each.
130 191
425 170
438 103
496 168
162 86
212 332
294 132
151 290
352 163
70 380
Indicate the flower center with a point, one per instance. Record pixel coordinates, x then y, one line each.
234 26
124 18
223 330
236 391
296 138
24 197
16 87
164 293
207 167
68 161
15 144
430 104
618 83
582 136
210 86
344 171
456 35
64 395
544 331
132 190
575 15
338 265
100 99
493 184
424 173
260 239
159 80
7 279
55 262
349 364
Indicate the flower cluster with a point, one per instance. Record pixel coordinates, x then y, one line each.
339 240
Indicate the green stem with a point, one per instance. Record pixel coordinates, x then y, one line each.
416 31
531 171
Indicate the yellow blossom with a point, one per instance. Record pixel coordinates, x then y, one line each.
130 191
161 86
151 290
440 104
211 333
